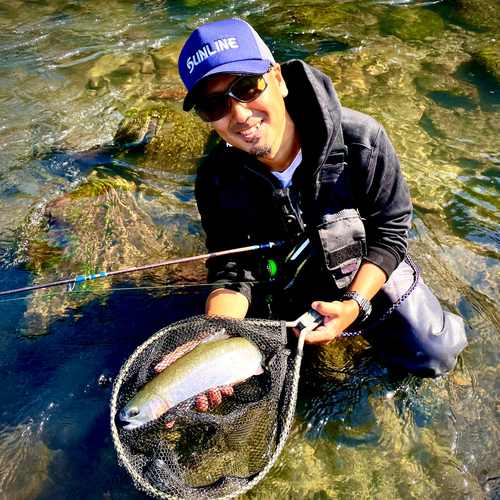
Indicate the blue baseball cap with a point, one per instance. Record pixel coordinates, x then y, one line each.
227 47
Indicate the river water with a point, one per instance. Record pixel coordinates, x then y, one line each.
74 202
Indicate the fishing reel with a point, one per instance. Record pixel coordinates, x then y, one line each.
268 269
285 271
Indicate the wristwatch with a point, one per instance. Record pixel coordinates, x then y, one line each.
363 302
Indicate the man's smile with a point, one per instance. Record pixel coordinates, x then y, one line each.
250 133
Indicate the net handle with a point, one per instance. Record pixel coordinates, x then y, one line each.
306 323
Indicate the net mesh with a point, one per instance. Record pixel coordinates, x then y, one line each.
219 451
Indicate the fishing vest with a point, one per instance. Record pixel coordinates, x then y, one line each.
330 214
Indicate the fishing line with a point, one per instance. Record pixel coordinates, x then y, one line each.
132 288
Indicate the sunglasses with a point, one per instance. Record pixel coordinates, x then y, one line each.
244 89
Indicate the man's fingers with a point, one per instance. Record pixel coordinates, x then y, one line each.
319 336
326 308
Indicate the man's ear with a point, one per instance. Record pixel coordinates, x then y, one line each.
276 73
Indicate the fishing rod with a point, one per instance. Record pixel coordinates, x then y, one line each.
79 279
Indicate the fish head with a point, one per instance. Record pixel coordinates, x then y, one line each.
144 407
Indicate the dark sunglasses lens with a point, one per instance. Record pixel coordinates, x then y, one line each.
245 89
213 108
249 88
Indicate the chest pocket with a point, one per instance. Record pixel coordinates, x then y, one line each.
343 241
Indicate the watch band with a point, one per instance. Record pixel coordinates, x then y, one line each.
363 302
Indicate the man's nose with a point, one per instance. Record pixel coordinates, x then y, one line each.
240 110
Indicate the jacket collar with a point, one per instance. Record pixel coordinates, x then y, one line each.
316 111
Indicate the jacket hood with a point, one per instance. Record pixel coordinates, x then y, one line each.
314 107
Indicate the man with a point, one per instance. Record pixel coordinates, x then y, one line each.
294 165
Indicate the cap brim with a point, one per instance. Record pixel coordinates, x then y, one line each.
247 67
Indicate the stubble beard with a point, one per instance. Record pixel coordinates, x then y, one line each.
260 151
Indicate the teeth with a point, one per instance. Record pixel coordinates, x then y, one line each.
251 130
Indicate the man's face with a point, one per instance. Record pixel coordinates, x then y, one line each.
257 127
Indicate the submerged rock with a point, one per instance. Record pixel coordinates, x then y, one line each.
178 93
479 13
115 67
489 58
121 217
412 24
317 27
170 140
25 463
373 446
98 227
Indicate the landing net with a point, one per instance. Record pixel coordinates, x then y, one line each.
219 452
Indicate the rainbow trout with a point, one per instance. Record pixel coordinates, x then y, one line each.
223 362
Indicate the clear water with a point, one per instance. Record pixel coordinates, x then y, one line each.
359 433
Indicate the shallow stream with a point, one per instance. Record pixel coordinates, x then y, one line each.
75 199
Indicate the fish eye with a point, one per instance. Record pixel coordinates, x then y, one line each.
134 412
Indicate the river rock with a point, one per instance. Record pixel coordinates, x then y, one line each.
176 93
24 464
412 24
172 140
148 65
104 66
318 28
99 226
479 13
489 58
166 57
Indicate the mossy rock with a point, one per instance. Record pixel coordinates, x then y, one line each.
489 58
297 20
170 139
84 226
97 227
478 13
412 24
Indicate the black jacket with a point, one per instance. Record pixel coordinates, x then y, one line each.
234 190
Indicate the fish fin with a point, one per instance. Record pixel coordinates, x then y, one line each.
259 370
219 334
201 403
214 396
177 353
227 390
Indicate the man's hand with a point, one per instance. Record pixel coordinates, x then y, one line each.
337 317
225 302
340 315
